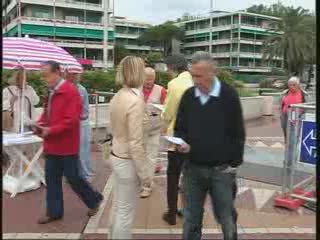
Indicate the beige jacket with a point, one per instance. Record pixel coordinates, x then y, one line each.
128 119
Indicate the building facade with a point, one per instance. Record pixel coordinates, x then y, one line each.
237 40
80 27
127 34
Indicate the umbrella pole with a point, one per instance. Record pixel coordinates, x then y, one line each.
22 101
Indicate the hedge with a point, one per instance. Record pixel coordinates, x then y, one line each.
105 81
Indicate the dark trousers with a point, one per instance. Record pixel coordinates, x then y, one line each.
175 164
55 168
222 188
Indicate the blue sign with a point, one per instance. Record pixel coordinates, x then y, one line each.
308 153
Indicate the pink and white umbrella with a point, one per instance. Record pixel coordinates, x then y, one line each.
30 54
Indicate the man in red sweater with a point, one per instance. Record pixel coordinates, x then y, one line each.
59 126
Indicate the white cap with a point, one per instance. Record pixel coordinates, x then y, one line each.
294 80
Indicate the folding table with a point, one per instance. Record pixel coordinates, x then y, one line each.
14 145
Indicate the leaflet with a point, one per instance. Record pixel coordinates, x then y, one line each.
174 140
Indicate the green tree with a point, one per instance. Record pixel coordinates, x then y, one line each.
162 36
120 52
295 41
154 57
276 10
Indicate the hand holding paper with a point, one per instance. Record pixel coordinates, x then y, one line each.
182 146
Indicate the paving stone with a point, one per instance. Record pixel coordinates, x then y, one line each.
279 230
9 235
103 230
29 236
255 230
277 145
73 236
54 236
211 231
260 144
302 230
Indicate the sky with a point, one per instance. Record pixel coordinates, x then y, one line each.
159 11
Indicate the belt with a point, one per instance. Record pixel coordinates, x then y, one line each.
113 154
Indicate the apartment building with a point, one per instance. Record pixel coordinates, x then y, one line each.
127 34
237 40
78 26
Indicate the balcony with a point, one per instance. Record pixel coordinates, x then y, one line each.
137 47
196 44
79 44
257 27
62 23
244 40
69 4
127 35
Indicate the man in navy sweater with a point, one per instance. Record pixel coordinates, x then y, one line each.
210 122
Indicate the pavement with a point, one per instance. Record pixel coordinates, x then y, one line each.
258 218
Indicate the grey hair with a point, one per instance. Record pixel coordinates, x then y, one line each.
202 56
294 80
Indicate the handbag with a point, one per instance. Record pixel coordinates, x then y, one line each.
7 120
7 117
106 147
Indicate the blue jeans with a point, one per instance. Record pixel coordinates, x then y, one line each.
55 168
85 167
222 188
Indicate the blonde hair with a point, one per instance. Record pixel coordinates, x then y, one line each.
131 72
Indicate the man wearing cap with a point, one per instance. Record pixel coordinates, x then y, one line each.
85 163
181 80
293 95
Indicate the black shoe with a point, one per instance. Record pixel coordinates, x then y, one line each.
46 219
180 212
169 218
94 211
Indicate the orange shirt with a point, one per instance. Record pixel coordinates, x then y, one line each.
291 98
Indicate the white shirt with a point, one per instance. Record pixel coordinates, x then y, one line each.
215 92
31 99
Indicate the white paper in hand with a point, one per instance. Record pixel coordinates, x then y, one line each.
174 140
158 107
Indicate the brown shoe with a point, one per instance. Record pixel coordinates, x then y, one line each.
169 218
94 211
46 219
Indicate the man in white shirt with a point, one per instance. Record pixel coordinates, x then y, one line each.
11 97
153 94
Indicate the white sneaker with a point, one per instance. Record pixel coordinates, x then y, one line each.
146 192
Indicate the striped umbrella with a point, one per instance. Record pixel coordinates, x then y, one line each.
31 53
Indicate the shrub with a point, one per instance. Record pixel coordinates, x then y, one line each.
34 80
267 83
162 78
99 81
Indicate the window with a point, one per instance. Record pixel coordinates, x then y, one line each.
72 18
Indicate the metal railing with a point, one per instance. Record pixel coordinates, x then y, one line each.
57 20
300 155
99 111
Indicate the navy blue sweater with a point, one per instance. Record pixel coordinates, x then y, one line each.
215 130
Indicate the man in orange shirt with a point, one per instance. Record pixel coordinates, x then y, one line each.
153 94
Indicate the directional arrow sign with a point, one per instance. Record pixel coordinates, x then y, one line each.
308 143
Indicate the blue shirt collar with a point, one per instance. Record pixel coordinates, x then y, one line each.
215 91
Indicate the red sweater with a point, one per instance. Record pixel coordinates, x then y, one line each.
64 122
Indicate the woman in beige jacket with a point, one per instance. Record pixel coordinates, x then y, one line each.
128 157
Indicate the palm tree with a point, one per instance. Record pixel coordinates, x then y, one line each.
294 41
162 36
